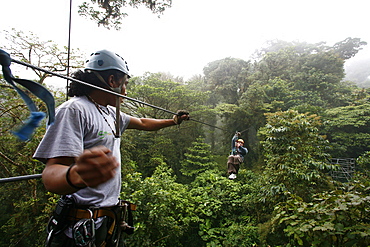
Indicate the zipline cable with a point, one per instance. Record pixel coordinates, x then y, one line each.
207 124
19 178
244 130
106 90
90 85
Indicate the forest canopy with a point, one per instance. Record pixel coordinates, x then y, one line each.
296 114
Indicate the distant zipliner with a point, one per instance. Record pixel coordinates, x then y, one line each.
238 151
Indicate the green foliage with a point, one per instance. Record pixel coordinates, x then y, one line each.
347 129
281 95
165 208
363 162
23 203
161 92
334 218
168 144
345 49
227 79
349 47
295 155
362 174
223 206
313 74
176 176
198 159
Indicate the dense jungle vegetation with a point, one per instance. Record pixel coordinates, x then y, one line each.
295 112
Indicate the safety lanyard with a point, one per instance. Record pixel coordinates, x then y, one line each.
26 131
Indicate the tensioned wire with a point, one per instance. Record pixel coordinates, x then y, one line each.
106 90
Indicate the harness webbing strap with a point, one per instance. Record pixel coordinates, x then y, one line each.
25 132
77 214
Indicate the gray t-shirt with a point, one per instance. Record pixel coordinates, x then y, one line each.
78 126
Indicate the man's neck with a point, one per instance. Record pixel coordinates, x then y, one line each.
99 97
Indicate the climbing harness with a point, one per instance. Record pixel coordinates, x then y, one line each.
25 132
82 221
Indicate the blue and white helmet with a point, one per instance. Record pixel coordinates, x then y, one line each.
104 60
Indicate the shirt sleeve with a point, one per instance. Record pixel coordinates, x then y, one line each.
64 138
233 140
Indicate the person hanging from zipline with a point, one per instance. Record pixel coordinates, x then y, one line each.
237 155
81 151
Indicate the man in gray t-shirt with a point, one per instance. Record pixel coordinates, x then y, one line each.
81 149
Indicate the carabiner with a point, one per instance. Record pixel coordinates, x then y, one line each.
84 231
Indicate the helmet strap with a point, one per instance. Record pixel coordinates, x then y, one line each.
114 89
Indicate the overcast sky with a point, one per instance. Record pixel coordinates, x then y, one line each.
193 32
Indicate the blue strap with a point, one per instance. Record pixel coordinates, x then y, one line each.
26 131
42 93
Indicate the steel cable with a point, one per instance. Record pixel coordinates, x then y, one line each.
107 90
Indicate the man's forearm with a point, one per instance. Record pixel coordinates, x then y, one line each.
54 178
151 124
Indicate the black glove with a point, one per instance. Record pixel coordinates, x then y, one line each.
178 117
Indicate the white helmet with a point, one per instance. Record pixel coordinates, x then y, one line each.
104 60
